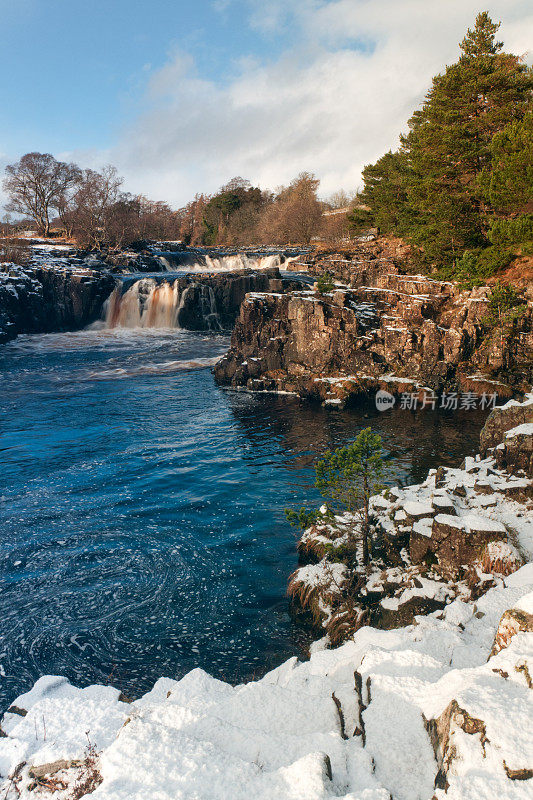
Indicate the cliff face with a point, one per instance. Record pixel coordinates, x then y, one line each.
225 292
41 300
415 329
63 297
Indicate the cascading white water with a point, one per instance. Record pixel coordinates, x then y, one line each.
241 261
146 304
223 263
209 308
149 304
162 306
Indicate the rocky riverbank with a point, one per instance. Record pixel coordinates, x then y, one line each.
452 536
389 330
46 299
433 709
419 687
60 290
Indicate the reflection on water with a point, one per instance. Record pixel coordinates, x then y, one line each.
141 507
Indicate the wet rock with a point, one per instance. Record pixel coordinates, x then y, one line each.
42 300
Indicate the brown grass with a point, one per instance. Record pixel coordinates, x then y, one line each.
89 778
15 251
308 596
519 273
498 564
345 622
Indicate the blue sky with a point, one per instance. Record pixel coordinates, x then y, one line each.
181 96
74 70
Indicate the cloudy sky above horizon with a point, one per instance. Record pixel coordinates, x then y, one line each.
181 96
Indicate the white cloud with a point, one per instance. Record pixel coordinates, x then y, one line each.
336 100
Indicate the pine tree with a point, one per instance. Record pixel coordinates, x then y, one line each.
384 193
449 144
347 478
507 185
350 475
439 190
481 39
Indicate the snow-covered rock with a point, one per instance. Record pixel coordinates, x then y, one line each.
414 713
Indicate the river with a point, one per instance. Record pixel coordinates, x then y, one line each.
142 530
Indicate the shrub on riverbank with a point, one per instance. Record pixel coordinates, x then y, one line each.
347 478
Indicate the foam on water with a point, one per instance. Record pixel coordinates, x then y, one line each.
198 262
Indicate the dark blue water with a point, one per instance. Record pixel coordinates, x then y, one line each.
141 507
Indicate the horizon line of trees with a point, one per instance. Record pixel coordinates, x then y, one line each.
90 207
459 188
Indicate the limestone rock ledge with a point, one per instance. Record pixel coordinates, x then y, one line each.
455 535
400 331
423 712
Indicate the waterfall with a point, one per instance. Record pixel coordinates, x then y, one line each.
190 261
241 261
208 308
146 304
162 306
152 304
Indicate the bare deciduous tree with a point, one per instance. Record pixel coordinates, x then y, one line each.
36 184
96 196
295 214
340 199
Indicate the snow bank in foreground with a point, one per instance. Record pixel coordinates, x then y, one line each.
388 714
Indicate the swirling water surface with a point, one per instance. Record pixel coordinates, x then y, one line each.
141 507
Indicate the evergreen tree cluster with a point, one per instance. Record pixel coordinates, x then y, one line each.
460 187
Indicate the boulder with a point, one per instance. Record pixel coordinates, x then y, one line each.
515 454
513 621
457 542
503 419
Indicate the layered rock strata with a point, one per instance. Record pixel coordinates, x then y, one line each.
400 333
